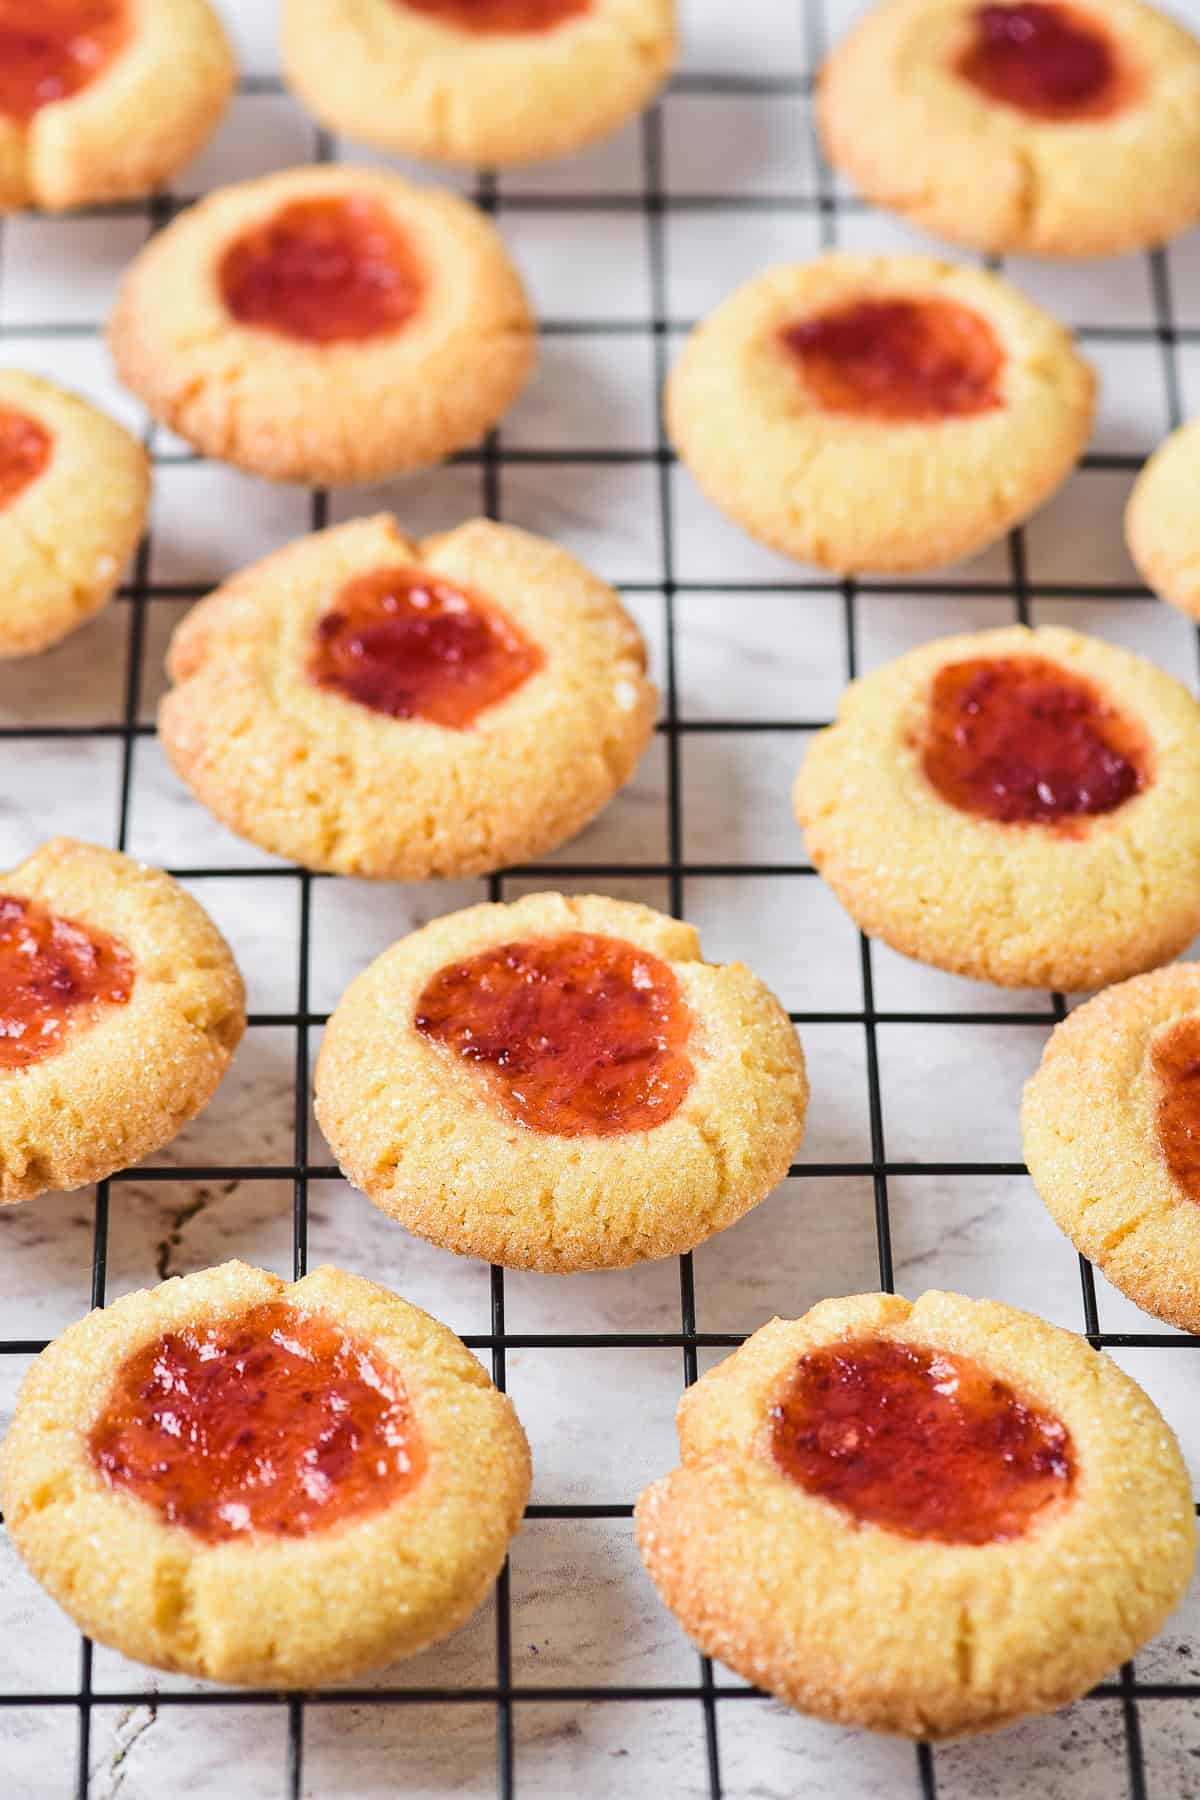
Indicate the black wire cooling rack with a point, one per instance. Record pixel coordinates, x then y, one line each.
1127 1767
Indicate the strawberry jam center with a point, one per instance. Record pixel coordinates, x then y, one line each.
1044 59
275 1421
905 360
580 1035
24 452
485 16
50 49
333 269
410 645
1175 1058
51 971
918 1441
1020 739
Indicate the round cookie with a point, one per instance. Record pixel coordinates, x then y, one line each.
1111 1124
497 83
1020 806
1160 523
325 325
105 99
120 1008
364 704
923 1518
883 413
74 489
1062 130
560 1084
344 1494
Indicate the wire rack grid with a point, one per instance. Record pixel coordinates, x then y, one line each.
673 1721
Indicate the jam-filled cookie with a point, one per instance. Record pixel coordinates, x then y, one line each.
1021 806
120 1008
105 99
74 488
496 82
1061 129
262 1482
879 412
372 706
329 324
1111 1123
1161 524
924 1518
561 1084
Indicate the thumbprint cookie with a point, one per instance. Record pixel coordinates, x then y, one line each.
560 1084
1111 1123
74 488
105 99
327 325
927 1518
879 412
1021 806
1161 526
1051 128
253 1481
496 82
364 704
120 1008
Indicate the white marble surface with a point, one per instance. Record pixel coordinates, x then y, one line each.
759 642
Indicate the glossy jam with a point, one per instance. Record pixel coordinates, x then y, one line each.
51 970
1022 740
407 644
1175 1059
919 1441
276 1421
485 16
580 1035
1046 60
907 360
50 49
25 447
334 269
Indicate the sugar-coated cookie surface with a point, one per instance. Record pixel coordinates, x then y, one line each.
868 412
326 324
1061 130
105 99
1160 520
121 1006
815 1540
1020 806
362 703
499 83
1111 1128
560 1084
374 1521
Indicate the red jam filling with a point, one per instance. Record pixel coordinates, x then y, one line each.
24 452
484 16
912 361
1020 739
276 1421
580 1035
51 969
329 270
50 49
410 645
1175 1058
1045 59
920 1442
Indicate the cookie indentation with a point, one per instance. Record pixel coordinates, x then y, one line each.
579 1035
1023 740
907 360
1175 1059
921 1442
25 446
275 1421
327 270
50 49
406 643
50 969
1046 60
485 16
